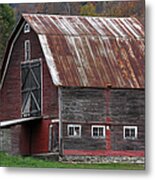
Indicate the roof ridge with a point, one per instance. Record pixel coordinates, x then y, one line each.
59 15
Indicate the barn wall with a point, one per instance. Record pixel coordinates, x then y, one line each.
118 143
40 137
82 105
127 103
25 139
127 107
113 108
11 101
34 137
83 143
10 106
50 95
11 92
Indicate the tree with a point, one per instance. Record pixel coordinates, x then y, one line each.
7 21
88 9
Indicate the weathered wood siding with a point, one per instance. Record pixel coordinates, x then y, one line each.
83 105
85 142
127 106
90 106
118 143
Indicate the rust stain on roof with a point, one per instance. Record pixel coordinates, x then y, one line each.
92 51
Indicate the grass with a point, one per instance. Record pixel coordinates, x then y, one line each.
19 161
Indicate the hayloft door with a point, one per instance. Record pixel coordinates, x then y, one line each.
31 88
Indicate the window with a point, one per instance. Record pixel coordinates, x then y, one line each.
26 28
31 89
130 132
98 131
27 50
74 130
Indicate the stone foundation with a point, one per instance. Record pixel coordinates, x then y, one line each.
102 159
5 140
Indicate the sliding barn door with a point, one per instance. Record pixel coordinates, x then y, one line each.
31 89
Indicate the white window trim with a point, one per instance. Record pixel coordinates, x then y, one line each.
26 28
128 127
74 125
25 48
98 137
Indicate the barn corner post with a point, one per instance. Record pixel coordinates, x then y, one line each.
60 122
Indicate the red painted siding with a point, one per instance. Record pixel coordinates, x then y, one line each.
25 146
32 138
50 95
104 153
108 140
10 106
10 95
40 137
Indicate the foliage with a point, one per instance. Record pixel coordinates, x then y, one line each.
114 9
88 9
124 9
7 21
18 161
63 8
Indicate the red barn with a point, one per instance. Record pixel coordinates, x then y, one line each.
74 85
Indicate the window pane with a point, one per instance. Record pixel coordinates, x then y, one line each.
71 131
26 28
127 133
27 50
132 132
95 131
101 131
77 131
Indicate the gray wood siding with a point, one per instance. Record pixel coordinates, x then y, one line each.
85 142
90 106
82 105
127 106
118 143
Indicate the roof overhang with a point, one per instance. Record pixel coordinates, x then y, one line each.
17 121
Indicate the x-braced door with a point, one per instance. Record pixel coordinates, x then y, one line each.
31 88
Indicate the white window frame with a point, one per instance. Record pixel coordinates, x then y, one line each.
98 126
130 127
26 28
27 48
74 126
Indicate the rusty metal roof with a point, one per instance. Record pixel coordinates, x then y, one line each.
91 51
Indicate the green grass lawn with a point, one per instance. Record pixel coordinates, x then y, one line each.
18 161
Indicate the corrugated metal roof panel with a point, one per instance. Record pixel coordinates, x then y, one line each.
92 51
80 25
